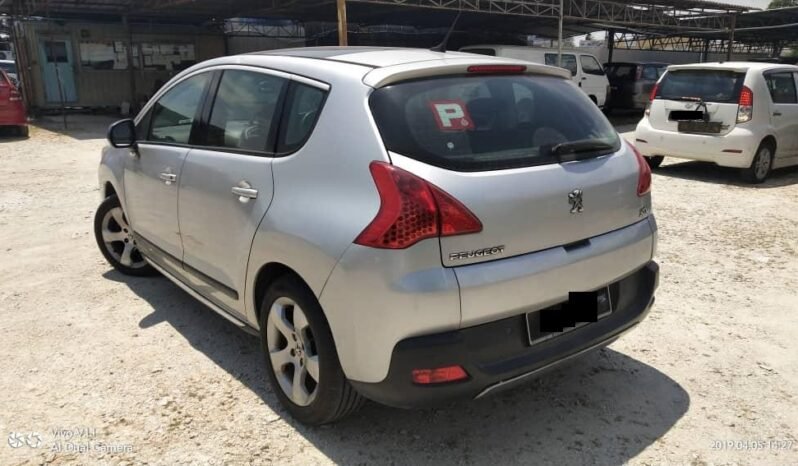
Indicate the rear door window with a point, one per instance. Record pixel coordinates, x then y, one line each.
709 85
622 72
652 73
301 113
782 87
487 123
244 111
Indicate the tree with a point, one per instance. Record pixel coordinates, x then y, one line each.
782 4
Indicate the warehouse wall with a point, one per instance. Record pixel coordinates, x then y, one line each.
110 87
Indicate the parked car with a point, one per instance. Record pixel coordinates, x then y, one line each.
585 69
12 109
10 67
631 83
437 242
735 114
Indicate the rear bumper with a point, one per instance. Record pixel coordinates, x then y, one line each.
497 355
706 148
12 114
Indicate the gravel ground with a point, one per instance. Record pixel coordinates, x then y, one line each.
110 369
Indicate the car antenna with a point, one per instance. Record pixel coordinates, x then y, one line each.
442 46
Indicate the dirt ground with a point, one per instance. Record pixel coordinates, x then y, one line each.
101 368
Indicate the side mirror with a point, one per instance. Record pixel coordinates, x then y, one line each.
122 134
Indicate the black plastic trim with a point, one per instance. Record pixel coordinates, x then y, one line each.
498 353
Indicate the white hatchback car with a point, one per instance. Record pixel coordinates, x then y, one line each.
734 114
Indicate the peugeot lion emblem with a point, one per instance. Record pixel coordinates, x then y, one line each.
575 199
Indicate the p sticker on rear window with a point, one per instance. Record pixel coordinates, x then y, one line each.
451 115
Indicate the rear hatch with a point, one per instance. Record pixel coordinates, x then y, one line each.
530 156
697 100
5 90
622 77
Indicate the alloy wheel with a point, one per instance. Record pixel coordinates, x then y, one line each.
763 161
118 239
292 351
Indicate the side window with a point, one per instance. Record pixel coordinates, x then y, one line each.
244 110
651 73
590 65
782 87
568 62
174 113
301 114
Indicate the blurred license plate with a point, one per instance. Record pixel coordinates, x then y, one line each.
699 126
580 309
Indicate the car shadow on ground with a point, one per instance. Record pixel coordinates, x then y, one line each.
9 134
710 173
602 408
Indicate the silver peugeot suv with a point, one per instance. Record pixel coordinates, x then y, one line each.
402 225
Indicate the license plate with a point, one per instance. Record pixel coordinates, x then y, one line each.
581 309
700 126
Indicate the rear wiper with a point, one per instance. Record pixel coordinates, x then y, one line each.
584 146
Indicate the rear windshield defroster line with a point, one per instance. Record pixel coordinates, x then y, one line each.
481 123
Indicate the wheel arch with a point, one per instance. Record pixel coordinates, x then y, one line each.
108 190
771 141
266 275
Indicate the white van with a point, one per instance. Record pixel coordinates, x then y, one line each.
586 71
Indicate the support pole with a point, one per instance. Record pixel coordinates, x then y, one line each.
342 24
130 67
610 44
731 37
559 34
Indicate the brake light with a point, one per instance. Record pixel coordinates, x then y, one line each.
644 174
439 375
654 91
497 69
15 96
745 110
412 209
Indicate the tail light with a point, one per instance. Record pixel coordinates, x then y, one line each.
644 174
15 95
439 375
412 209
651 98
745 110
654 91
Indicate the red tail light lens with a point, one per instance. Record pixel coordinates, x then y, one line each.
746 97
439 375
15 96
653 94
745 110
497 69
644 177
411 209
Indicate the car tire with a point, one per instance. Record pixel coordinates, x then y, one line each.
115 240
655 161
761 165
297 341
23 131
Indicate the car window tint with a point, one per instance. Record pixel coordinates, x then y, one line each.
487 123
300 117
651 73
709 85
568 62
622 72
590 65
782 88
244 110
174 113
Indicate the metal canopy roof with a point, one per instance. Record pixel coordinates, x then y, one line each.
522 16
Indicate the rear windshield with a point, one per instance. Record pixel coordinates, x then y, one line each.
488 122
621 72
719 86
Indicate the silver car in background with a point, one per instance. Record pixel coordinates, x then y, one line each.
401 225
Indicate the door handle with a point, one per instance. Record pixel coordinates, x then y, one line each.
168 178
245 192
776 113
